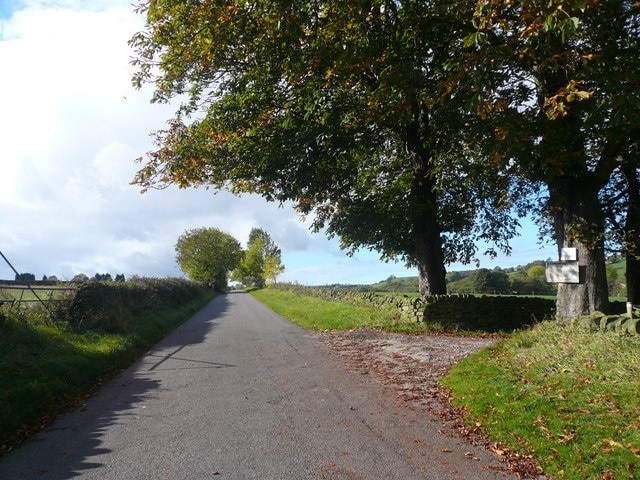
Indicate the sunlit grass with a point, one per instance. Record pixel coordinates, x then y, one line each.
567 396
317 314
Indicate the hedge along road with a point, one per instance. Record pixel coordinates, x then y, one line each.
237 392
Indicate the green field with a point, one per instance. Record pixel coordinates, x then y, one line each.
24 293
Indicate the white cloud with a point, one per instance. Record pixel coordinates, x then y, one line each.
71 127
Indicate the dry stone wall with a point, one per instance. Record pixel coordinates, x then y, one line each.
453 312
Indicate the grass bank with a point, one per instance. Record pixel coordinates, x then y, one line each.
47 368
567 396
318 314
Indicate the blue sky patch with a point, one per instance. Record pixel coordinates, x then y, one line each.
6 8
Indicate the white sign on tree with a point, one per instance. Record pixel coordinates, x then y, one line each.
567 270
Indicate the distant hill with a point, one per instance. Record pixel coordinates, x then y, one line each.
396 284
466 281
524 280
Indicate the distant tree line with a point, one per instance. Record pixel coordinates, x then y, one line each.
80 278
98 277
30 279
25 277
530 281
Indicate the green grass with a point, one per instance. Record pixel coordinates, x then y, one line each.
317 314
569 397
46 369
26 294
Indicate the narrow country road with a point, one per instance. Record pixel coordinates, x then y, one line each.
238 393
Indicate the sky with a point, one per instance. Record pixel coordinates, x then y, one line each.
71 127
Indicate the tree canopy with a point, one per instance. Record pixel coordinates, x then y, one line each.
414 128
558 81
348 109
208 255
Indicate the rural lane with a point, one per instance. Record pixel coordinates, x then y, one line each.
238 393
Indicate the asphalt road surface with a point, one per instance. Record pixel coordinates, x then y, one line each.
239 393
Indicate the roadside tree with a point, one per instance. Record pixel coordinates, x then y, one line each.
273 268
555 78
351 110
207 255
261 262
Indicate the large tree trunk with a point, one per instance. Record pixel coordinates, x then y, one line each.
632 234
425 227
428 242
573 200
633 279
579 224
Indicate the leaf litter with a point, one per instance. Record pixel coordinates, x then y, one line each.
411 367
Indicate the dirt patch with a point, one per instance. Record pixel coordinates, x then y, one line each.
410 366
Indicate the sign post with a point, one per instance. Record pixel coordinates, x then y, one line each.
567 270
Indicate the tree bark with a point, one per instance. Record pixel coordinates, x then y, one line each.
573 200
426 229
633 279
579 223
632 234
428 242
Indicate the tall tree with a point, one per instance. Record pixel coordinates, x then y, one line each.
554 90
348 109
261 261
632 233
272 269
621 200
269 248
207 255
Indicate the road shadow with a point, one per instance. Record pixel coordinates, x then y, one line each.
74 443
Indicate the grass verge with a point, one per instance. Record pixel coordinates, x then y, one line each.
317 314
568 397
45 370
